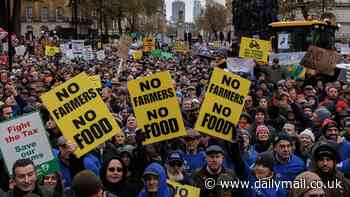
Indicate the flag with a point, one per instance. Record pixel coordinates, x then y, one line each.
3 33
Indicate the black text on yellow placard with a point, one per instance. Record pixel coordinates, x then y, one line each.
223 104
80 113
156 107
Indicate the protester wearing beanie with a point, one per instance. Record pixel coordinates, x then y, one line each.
307 139
307 190
319 116
288 165
263 139
324 164
330 132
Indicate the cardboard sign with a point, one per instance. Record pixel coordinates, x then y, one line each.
137 55
286 59
148 44
97 80
25 137
255 49
80 113
51 51
321 59
156 107
222 105
184 190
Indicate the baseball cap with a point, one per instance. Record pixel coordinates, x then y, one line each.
214 149
174 156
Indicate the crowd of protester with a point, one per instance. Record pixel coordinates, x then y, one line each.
289 130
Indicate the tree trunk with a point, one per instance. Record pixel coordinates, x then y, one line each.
16 17
120 25
3 14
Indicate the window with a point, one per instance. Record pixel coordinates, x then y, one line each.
29 12
44 13
59 13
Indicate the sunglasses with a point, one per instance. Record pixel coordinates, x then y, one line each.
112 169
175 164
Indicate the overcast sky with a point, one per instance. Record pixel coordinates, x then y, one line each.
189 8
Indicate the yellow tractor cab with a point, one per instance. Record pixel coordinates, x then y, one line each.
296 36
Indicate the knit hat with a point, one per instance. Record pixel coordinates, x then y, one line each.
328 123
309 133
307 177
281 136
262 128
325 150
323 113
86 183
265 159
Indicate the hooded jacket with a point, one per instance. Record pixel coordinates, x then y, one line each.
163 190
331 179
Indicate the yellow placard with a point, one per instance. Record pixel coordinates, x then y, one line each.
222 105
156 107
255 49
184 190
80 113
97 80
180 47
137 55
51 51
149 44
216 44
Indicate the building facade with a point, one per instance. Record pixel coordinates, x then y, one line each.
197 9
52 15
178 11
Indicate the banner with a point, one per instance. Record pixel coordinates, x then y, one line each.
255 49
184 190
149 44
80 113
25 137
321 59
222 105
51 50
156 107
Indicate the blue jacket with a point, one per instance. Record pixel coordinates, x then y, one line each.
290 170
163 190
90 162
344 150
260 190
193 162
344 166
